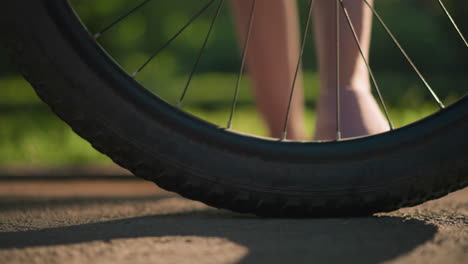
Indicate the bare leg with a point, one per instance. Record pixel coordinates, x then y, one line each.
271 59
360 114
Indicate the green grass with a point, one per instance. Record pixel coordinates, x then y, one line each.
40 138
31 134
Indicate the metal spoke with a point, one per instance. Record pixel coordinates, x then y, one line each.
197 61
120 18
453 22
338 101
421 77
167 43
244 55
299 61
374 81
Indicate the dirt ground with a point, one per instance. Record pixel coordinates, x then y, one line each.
131 221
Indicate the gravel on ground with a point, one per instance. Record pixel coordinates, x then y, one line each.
132 221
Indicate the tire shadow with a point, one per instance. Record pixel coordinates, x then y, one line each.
325 240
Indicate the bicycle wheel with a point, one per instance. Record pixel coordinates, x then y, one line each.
181 153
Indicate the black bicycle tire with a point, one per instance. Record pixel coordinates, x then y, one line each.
180 153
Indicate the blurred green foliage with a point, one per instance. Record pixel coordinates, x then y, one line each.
420 25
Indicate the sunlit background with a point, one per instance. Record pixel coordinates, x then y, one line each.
30 134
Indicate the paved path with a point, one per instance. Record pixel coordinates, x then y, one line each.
134 222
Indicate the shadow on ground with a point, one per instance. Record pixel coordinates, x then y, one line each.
331 240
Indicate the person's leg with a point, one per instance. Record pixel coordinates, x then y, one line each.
360 114
271 61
